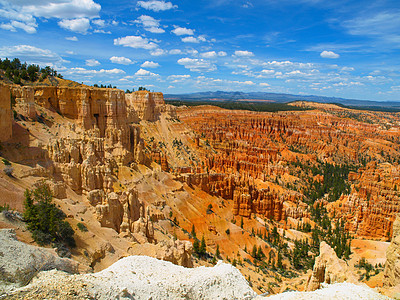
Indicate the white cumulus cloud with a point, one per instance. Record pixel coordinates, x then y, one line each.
150 24
27 27
175 51
157 52
99 22
84 71
72 38
222 53
145 73
178 77
197 65
80 25
210 54
92 62
25 12
121 60
8 27
32 54
190 39
63 9
101 31
329 54
150 64
244 53
268 72
156 5
182 31
135 42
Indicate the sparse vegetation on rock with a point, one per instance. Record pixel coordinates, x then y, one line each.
46 221
20 73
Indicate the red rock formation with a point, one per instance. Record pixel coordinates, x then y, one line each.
260 146
374 201
160 157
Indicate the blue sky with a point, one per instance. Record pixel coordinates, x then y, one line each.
336 48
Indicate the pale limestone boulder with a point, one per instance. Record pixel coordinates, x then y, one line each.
178 252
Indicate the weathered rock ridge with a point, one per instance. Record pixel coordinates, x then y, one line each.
328 268
142 277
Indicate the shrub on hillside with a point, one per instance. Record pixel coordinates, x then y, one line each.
45 220
8 170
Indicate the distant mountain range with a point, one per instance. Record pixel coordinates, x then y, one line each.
276 97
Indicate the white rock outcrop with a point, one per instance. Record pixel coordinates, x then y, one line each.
19 262
337 291
142 277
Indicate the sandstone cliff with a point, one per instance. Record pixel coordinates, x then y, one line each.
5 114
24 100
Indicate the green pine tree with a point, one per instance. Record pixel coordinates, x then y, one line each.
254 251
203 246
217 253
193 233
196 246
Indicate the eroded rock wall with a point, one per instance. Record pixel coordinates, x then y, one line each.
5 114
24 100
85 152
149 105
144 104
